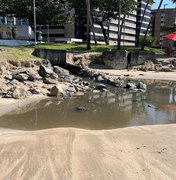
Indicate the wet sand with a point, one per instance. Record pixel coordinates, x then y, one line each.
8 105
146 152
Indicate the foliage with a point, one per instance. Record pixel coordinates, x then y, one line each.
169 29
47 11
148 41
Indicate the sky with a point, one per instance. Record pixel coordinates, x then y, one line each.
168 2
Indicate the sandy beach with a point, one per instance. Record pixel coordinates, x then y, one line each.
143 153
71 154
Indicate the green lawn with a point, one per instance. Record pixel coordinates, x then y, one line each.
25 52
98 48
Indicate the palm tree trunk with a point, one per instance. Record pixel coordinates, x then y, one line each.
151 21
104 33
91 22
121 27
142 19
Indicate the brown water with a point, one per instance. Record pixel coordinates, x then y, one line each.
104 111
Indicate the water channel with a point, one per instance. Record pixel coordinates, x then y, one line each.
117 109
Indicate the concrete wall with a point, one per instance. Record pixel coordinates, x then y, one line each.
56 57
115 59
121 59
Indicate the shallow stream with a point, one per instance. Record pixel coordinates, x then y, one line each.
103 110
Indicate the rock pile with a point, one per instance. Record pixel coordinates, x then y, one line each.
29 78
25 79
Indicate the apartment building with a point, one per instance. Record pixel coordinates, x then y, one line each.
165 17
130 29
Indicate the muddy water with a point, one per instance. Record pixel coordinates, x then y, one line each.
103 111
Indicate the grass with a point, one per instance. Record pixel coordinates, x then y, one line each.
25 52
17 53
98 48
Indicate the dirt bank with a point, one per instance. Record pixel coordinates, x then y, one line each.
71 154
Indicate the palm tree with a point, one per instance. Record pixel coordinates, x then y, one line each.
151 21
142 19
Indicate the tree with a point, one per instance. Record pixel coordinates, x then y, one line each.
151 21
142 19
47 11
127 6
169 29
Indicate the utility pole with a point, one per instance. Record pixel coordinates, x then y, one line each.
34 23
88 24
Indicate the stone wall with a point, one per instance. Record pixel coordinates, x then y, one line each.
56 57
122 59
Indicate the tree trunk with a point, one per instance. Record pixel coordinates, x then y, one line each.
88 24
91 23
142 19
104 33
151 21
121 27
119 39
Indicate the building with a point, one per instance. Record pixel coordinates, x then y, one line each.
143 18
130 30
164 17
24 31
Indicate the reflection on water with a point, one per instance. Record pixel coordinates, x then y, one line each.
104 111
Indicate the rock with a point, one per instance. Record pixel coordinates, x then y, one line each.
86 83
58 89
19 71
47 63
21 77
174 62
2 70
19 93
100 79
9 77
131 85
142 86
101 86
81 108
54 75
27 63
49 81
15 63
34 91
72 89
158 67
96 91
44 71
7 94
60 71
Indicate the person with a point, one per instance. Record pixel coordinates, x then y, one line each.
1 32
14 31
8 32
168 50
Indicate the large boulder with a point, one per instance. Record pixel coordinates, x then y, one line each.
59 89
21 77
44 71
60 71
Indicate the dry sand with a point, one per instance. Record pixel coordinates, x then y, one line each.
71 154
133 74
